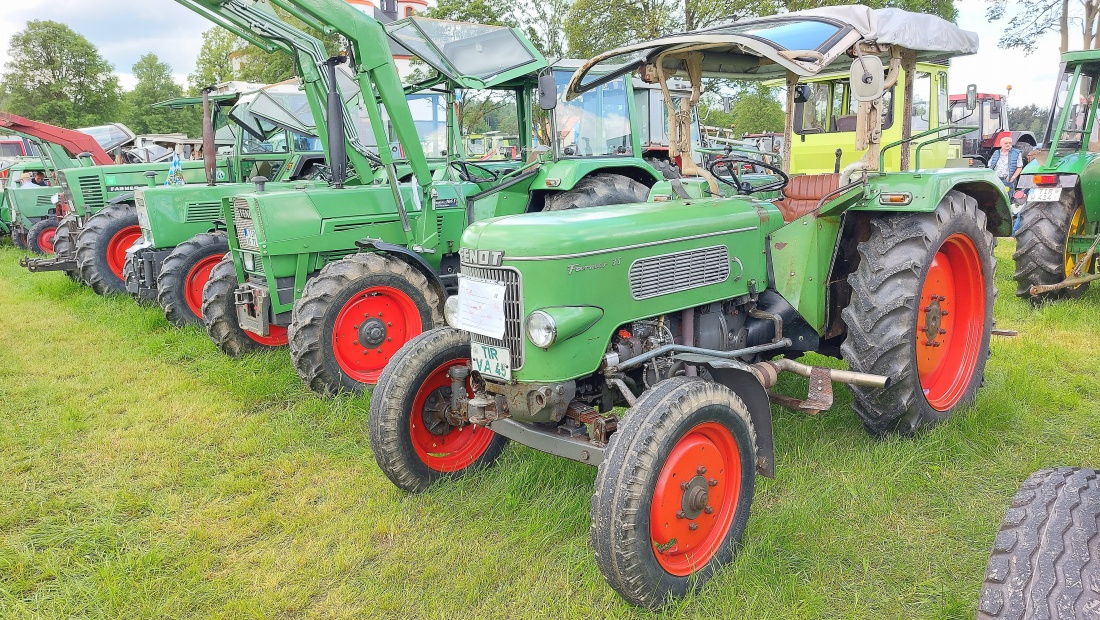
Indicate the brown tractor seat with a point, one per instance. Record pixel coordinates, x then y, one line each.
803 192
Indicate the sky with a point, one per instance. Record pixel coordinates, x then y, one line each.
130 28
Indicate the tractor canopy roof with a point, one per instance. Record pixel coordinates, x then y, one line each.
803 42
1081 56
279 106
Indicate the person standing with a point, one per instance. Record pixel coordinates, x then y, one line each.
1007 163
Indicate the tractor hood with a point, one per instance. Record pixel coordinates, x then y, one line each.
586 232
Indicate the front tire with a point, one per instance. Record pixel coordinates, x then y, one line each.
922 314
40 237
64 246
673 494
101 248
413 445
1045 561
598 190
1042 241
352 318
184 274
219 315
18 239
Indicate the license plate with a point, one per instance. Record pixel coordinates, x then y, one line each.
250 237
1045 194
491 361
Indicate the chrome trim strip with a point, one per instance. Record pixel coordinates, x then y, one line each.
627 247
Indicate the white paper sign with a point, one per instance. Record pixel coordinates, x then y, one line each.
481 307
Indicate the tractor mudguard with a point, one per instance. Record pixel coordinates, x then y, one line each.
123 197
563 175
412 258
748 388
922 193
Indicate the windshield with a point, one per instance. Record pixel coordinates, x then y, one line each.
1079 100
430 116
595 124
490 124
11 149
458 49
108 136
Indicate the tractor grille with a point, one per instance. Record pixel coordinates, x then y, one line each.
513 309
43 201
242 222
202 212
92 191
679 271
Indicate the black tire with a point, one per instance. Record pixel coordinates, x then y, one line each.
129 276
35 241
888 307
1025 150
1045 561
325 300
667 169
176 293
598 190
390 416
219 312
1041 248
18 239
97 248
627 486
64 246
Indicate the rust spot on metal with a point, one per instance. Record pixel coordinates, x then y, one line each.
780 245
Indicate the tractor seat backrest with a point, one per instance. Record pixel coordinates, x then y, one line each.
804 192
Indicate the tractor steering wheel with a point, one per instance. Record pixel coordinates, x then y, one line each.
732 164
462 167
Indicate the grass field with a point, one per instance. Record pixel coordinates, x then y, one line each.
144 475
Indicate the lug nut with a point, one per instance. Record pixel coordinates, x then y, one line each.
935 344
713 482
684 486
356 343
693 526
944 313
708 510
943 332
680 514
702 470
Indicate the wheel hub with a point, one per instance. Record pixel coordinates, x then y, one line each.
372 333
933 320
695 497
435 411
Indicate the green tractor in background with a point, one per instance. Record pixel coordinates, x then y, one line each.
37 204
685 311
1059 224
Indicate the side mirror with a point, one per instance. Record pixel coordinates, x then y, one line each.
994 107
803 93
972 97
548 91
866 78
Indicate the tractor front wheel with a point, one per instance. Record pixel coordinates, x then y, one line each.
598 190
40 237
922 314
673 494
354 316
63 246
184 274
413 439
219 315
1042 247
101 248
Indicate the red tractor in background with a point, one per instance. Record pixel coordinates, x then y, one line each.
991 122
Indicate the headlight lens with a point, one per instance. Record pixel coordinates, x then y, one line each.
249 261
450 311
541 329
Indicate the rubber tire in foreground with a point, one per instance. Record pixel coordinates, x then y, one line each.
667 169
63 247
219 314
891 299
1041 248
18 239
40 237
598 190
183 275
657 448
1045 561
417 374
101 248
324 339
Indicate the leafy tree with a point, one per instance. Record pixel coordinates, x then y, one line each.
1034 18
493 12
1029 118
57 76
215 63
155 84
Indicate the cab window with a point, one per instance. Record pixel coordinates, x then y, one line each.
922 101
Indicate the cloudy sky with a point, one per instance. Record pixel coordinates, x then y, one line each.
125 29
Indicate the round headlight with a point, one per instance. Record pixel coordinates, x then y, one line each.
450 311
249 261
541 329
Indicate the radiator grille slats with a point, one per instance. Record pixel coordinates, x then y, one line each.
93 192
513 310
679 271
242 220
200 212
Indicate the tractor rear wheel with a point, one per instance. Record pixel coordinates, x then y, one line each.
598 190
354 315
673 494
1042 243
922 314
40 237
1045 561
219 315
413 441
101 248
667 169
184 274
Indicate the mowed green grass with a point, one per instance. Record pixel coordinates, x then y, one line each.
144 475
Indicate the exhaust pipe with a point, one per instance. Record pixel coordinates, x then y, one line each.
768 373
337 149
209 155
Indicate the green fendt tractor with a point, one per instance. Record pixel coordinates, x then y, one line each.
271 132
1058 230
685 311
36 203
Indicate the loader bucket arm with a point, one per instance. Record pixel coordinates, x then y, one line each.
72 141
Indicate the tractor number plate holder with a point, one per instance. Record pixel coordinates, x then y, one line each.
1045 194
253 305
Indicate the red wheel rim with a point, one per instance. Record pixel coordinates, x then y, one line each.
196 280
950 322
276 336
456 448
116 248
370 328
698 487
45 240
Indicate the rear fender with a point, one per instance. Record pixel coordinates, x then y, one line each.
924 190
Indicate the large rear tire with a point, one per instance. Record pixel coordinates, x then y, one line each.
354 315
1045 561
184 274
667 169
922 314
219 315
412 442
598 190
673 494
1042 241
40 237
101 248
